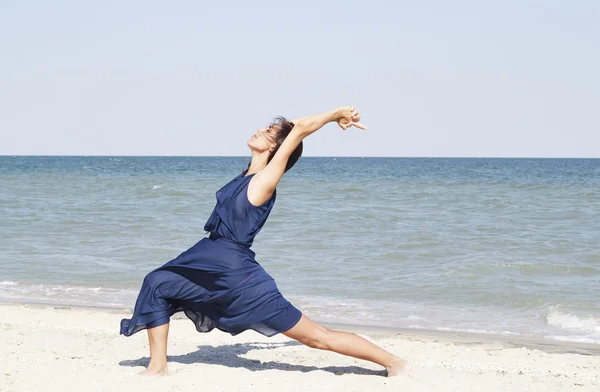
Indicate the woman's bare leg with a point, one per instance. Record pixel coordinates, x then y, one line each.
157 338
314 335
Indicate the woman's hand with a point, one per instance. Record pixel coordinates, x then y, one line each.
349 117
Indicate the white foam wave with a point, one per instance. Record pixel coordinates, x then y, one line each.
573 323
8 283
156 187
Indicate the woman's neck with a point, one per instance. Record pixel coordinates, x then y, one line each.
257 163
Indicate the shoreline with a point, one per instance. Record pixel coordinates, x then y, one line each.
455 337
56 348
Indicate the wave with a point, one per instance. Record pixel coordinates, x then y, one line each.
573 328
573 323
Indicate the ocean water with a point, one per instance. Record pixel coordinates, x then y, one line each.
508 246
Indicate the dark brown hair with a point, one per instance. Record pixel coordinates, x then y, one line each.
283 127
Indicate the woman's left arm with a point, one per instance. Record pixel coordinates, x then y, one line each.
345 116
266 181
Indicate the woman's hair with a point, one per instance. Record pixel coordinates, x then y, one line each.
283 127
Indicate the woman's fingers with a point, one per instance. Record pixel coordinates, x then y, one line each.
352 124
351 119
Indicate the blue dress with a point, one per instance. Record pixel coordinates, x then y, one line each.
217 282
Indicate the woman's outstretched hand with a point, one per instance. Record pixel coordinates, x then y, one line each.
349 117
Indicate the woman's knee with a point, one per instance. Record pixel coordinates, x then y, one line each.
157 277
151 278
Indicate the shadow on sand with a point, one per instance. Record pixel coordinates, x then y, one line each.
230 355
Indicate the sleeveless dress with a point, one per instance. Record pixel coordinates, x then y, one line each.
217 282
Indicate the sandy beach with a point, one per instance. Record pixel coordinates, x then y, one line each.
63 348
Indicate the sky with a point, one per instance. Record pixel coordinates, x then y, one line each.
196 78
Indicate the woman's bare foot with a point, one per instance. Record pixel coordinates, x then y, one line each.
155 371
396 367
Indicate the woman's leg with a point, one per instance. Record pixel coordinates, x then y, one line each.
157 338
314 335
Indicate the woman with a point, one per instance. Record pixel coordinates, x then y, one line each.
218 283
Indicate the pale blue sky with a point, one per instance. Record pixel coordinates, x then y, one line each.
431 78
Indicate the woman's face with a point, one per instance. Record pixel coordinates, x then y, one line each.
265 139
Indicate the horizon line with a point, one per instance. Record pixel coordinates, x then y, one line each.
304 156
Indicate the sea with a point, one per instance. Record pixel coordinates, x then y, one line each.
489 246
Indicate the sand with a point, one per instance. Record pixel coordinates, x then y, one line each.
59 348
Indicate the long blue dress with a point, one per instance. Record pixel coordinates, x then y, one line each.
217 282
